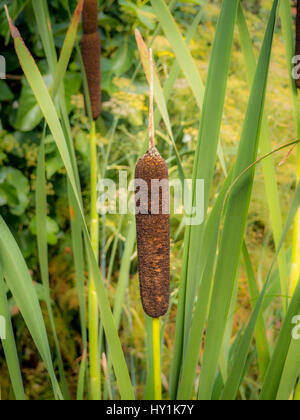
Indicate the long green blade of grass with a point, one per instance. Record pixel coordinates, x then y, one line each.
44 24
43 98
276 368
262 345
123 278
184 60
268 164
9 344
207 146
124 271
175 69
41 222
183 54
67 49
238 371
208 256
235 218
204 164
20 284
290 372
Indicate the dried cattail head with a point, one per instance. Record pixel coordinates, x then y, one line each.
90 16
297 52
91 50
153 237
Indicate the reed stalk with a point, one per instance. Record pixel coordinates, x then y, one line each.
156 358
93 322
155 321
153 239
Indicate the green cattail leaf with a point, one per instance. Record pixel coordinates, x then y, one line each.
208 256
280 378
238 368
20 284
67 49
180 48
124 271
262 345
290 372
235 218
9 344
42 16
205 159
183 57
268 164
41 221
175 69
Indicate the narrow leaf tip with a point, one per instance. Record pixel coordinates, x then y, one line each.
79 8
14 31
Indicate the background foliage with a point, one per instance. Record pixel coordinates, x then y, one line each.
123 127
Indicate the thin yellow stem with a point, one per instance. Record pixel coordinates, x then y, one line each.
93 324
156 358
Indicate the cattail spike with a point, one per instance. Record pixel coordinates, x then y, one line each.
153 222
91 52
90 16
153 237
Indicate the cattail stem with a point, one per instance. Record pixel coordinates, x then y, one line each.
93 324
151 103
155 321
156 358
153 238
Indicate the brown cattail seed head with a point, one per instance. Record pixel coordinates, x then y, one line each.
297 51
153 236
90 16
91 50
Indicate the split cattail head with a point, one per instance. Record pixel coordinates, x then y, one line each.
91 52
153 235
297 49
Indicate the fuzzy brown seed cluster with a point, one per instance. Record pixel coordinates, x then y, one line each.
90 16
297 52
153 239
91 51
